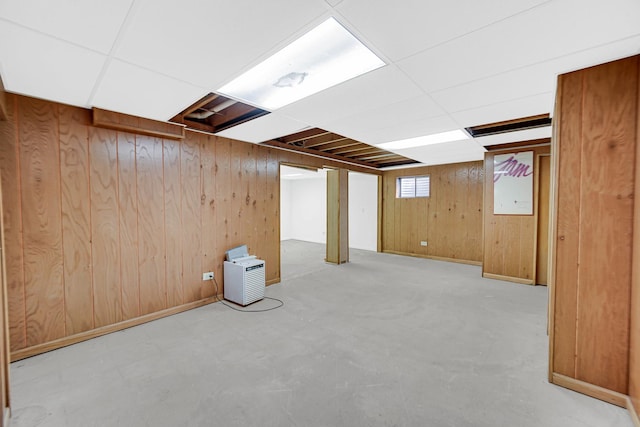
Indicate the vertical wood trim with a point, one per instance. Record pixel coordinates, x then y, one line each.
542 224
381 218
209 212
12 219
5 395
128 223
191 217
153 288
76 214
105 227
337 216
42 222
634 351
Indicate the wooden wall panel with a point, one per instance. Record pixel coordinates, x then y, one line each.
105 231
608 154
209 213
173 222
128 223
153 286
119 227
5 401
592 259
12 219
272 255
509 240
568 121
41 218
634 335
191 218
224 207
76 218
456 198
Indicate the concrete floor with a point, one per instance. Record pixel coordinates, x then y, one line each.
382 341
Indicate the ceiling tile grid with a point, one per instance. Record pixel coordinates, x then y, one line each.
449 65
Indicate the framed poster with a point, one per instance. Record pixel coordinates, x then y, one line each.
513 184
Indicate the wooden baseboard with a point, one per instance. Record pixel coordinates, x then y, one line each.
508 278
437 258
83 336
635 417
601 393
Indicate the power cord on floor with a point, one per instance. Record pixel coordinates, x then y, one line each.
246 311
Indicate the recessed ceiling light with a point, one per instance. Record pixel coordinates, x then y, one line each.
323 57
436 138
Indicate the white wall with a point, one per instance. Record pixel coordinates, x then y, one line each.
363 211
303 204
303 208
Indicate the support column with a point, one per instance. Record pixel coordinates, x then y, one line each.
337 216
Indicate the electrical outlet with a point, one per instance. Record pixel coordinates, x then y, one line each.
207 276
423 243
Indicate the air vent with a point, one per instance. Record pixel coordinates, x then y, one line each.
530 122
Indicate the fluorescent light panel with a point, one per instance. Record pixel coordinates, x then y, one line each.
436 138
322 58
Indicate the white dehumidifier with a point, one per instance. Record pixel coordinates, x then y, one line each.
244 277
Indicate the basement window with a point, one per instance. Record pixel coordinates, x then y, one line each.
413 186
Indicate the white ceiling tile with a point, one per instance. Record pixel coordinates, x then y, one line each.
207 42
528 81
90 23
132 90
265 128
538 35
448 152
509 137
365 129
402 28
513 109
52 69
376 89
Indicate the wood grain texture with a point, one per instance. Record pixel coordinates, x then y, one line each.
606 224
191 217
634 335
144 223
173 222
5 401
224 208
450 220
41 219
272 256
151 255
509 240
595 214
337 216
128 224
76 219
209 213
12 220
542 254
105 227
567 214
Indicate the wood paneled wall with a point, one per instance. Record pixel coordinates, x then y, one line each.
450 220
5 402
634 333
510 240
595 143
105 227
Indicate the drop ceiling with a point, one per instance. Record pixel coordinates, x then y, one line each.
450 65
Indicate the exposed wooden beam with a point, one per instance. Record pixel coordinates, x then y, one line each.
363 147
301 136
396 163
201 103
333 145
324 140
316 153
385 155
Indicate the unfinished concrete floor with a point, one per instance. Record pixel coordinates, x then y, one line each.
382 341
